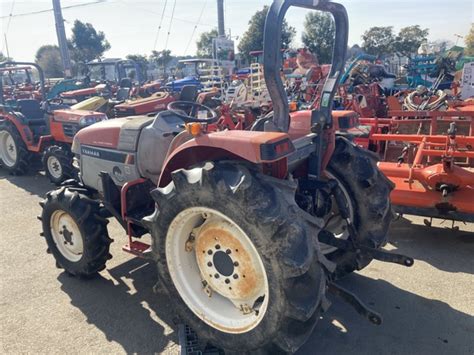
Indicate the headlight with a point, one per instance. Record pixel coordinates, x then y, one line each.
89 120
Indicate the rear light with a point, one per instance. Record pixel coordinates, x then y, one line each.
273 151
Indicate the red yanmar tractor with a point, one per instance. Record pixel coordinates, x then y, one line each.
249 228
28 128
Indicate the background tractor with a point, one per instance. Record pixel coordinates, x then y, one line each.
249 228
29 128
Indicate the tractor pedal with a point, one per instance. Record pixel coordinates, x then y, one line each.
142 250
355 302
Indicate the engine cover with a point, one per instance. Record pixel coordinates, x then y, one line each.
126 148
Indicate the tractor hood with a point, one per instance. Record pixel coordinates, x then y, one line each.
156 102
78 116
80 92
177 85
106 134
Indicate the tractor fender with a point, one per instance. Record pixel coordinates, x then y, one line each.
250 146
20 124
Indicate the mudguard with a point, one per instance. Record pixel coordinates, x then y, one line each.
252 146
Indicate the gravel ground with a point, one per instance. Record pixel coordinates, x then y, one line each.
427 309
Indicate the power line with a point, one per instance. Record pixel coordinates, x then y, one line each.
159 27
195 27
49 10
171 23
10 17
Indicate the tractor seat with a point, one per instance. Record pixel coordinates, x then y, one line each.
188 93
122 94
125 83
32 111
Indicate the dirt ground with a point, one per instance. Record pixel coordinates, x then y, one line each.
427 309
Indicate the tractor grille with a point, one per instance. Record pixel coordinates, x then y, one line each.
70 130
124 112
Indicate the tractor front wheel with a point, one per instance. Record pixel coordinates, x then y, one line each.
57 163
14 155
75 232
236 259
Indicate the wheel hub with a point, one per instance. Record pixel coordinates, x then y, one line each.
217 270
66 235
54 167
225 263
8 151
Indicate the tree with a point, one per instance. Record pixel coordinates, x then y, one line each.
318 35
204 43
142 62
48 57
354 51
3 57
409 40
469 41
252 39
161 58
378 40
86 43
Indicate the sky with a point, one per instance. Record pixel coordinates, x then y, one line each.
133 26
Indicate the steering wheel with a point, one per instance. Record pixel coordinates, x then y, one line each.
180 109
55 101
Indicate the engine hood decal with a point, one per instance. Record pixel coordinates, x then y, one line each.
104 154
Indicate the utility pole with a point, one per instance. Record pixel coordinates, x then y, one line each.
62 42
6 45
220 18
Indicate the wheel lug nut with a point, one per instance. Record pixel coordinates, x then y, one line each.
217 246
235 276
236 263
209 264
228 251
209 252
227 281
216 276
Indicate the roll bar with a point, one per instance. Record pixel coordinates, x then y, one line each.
36 66
272 59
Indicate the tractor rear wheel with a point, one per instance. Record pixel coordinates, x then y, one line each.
14 155
75 232
236 259
367 193
57 163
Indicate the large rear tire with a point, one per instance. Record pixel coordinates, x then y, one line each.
236 259
368 193
14 155
75 232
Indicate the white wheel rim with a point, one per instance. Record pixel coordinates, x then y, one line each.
217 247
335 223
8 149
54 167
66 235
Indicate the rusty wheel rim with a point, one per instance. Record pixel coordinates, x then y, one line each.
217 270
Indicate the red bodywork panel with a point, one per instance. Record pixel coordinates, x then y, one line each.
103 134
154 103
80 92
235 145
300 122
